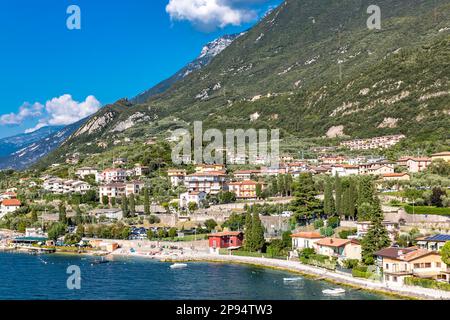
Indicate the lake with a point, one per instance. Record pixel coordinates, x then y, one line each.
30 277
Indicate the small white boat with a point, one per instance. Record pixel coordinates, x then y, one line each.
333 291
178 266
291 279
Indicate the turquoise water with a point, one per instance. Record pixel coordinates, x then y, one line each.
25 276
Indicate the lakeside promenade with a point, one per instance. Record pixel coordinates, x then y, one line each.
322 274
295 267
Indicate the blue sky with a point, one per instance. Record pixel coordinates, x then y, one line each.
51 75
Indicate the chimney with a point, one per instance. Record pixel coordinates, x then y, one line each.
331 240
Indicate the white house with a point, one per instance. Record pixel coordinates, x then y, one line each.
176 176
112 175
188 197
362 227
133 187
8 206
343 170
86 171
304 240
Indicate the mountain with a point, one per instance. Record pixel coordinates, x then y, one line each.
209 51
31 147
311 68
10 145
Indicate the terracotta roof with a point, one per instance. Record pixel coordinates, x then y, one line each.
420 159
445 153
307 235
225 233
334 242
210 173
392 175
247 171
11 203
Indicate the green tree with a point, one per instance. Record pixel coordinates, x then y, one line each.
377 238
146 202
258 240
105 200
210 224
192 206
235 222
338 188
328 203
62 213
132 203
305 205
445 253
34 217
56 230
259 191
78 216
172 233
248 243
125 209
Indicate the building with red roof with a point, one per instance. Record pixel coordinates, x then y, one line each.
225 240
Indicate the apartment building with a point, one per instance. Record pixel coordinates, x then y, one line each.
211 182
176 176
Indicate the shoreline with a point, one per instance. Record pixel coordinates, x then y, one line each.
403 292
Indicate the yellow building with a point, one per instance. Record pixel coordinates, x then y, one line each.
400 263
441 155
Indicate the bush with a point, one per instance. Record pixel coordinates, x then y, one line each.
345 233
327 232
333 222
350 263
318 224
361 274
427 283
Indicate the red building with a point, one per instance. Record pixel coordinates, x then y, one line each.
225 240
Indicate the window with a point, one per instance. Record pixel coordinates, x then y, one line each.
394 279
428 265
438 264
387 266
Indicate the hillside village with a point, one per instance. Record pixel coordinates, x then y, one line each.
321 211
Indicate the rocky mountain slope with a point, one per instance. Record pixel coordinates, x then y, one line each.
209 51
310 68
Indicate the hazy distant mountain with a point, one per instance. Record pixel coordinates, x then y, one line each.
21 151
11 144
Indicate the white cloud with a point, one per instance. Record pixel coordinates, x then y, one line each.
26 111
213 13
64 110
60 111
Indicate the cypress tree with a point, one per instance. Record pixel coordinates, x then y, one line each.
258 239
353 195
328 203
377 236
146 202
132 205
248 243
78 216
338 188
125 210
62 213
